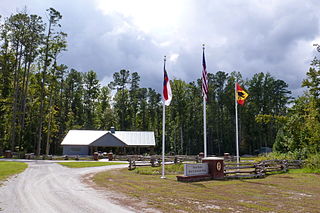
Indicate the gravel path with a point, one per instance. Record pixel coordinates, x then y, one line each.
49 187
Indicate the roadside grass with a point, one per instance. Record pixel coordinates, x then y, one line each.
253 158
287 192
8 169
87 164
304 170
170 169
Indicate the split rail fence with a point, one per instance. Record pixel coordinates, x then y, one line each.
153 161
231 170
260 169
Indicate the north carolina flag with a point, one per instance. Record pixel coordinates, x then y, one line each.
241 95
167 93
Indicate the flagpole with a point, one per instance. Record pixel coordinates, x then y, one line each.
163 129
204 127
163 137
236 109
204 121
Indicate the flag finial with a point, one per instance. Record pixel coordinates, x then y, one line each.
165 58
203 46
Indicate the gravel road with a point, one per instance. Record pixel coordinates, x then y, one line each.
49 187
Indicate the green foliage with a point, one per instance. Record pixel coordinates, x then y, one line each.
105 115
267 119
265 111
120 81
301 133
312 82
279 156
313 162
91 94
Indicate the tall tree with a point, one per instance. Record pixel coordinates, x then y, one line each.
177 114
106 117
301 132
91 94
194 119
134 99
74 100
312 82
22 34
54 17
120 81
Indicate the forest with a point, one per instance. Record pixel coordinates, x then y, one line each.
41 100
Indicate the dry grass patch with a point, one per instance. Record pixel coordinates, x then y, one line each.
277 193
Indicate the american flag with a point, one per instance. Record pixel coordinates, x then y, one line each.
204 78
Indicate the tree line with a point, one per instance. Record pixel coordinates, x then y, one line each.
41 100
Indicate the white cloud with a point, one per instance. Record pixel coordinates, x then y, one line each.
248 36
148 16
174 57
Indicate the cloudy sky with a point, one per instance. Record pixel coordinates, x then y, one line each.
251 36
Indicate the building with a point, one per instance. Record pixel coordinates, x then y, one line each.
83 142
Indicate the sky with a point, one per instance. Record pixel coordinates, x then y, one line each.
249 36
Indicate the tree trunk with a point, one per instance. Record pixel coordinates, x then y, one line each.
43 91
181 140
15 98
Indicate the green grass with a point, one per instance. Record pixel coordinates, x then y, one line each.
304 170
87 164
10 168
170 169
248 158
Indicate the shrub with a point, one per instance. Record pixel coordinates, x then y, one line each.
313 161
278 156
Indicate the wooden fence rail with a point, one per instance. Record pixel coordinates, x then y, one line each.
256 170
153 162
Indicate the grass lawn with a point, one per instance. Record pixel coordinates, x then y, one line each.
288 192
10 168
87 164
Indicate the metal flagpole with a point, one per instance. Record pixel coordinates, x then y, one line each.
163 137
163 131
204 126
236 109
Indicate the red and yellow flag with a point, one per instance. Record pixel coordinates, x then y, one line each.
241 95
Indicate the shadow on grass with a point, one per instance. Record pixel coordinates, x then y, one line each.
257 183
286 177
199 185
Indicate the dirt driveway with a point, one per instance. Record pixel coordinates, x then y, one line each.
49 187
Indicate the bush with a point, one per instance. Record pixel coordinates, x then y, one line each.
279 156
313 162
